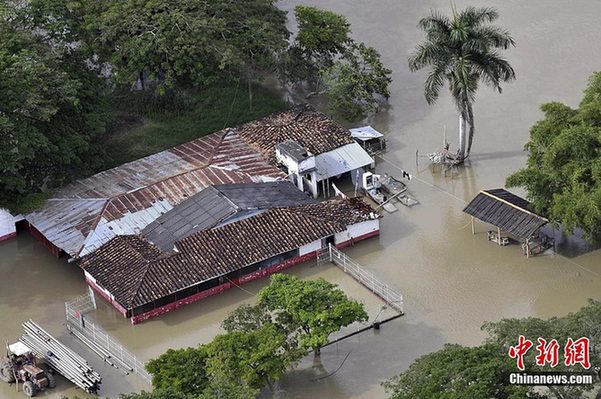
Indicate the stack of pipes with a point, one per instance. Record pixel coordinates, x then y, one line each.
60 358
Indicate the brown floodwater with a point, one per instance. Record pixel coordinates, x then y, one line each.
452 280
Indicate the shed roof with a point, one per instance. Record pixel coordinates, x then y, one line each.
303 124
507 211
136 272
123 200
217 204
341 160
365 133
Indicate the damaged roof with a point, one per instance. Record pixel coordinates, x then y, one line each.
507 211
303 124
136 272
217 204
123 200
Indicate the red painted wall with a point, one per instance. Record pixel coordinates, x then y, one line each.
103 294
8 236
54 250
223 287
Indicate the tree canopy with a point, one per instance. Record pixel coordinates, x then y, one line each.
462 51
64 63
315 307
324 55
261 342
563 172
51 114
482 372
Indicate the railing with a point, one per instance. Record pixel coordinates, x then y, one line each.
98 340
365 278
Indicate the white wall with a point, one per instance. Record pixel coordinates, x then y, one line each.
357 230
7 224
311 247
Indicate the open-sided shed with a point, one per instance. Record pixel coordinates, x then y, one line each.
510 214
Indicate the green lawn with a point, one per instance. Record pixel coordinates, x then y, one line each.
146 124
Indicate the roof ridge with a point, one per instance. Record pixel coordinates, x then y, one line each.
143 277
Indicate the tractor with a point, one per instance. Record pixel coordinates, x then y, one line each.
20 365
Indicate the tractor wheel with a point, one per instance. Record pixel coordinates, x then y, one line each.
51 380
29 388
6 373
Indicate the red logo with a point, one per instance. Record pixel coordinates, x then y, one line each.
575 352
518 351
547 352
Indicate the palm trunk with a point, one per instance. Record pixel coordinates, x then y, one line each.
250 89
462 137
470 121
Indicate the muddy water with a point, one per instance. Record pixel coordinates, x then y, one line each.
452 280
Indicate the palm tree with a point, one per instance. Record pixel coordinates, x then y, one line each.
462 51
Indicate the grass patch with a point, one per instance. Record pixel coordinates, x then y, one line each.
145 123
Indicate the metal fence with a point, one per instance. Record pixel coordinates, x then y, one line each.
365 278
98 340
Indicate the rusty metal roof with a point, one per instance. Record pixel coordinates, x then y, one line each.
89 212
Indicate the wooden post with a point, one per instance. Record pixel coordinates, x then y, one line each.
499 235
473 227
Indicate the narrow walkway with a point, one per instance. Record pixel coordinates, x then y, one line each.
365 278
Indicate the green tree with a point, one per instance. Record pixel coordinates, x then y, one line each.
483 371
313 308
462 51
355 80
456 372
322 36
182 370
221 386
246 318
254 357
158 394
563 171
323 51
190 41
257 32
51 113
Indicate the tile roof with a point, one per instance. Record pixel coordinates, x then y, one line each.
507 211
303 124
123 200
136 272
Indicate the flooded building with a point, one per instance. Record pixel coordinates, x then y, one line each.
310 147
231 236
88 213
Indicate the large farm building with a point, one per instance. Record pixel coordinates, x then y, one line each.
201 217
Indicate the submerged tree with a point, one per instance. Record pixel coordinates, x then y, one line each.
483 372
325 56
563 172
463 51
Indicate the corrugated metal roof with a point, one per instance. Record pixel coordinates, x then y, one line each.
341 160
219 204
365 133
123 200
265 195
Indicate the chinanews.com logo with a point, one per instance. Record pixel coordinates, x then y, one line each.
575 353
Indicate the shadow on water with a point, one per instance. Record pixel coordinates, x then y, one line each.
373 357
570 245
